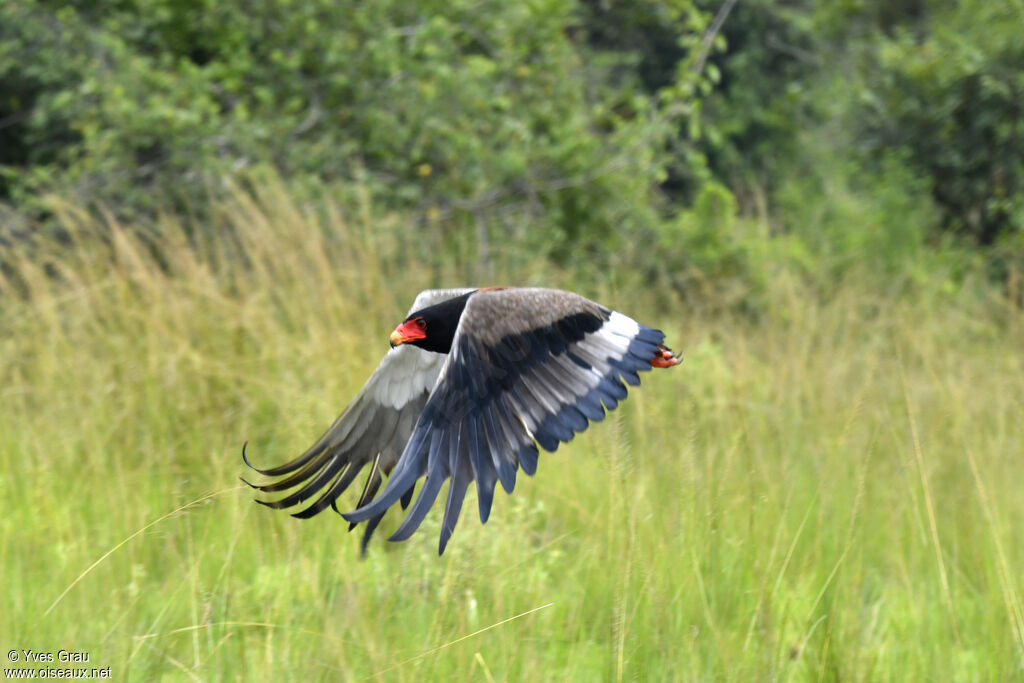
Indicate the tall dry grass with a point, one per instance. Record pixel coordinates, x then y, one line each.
831 492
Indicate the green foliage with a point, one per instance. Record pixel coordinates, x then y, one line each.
582 133
711 255
444 108
934 86
753 117
849 217
951 99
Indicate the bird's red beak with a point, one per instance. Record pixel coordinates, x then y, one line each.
406 332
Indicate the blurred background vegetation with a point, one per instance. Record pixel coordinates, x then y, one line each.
642 136
212 213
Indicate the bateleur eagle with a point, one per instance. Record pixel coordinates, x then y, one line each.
475 380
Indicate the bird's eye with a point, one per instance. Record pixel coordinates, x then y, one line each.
421 323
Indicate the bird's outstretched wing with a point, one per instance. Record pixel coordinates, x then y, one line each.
527 365
373 430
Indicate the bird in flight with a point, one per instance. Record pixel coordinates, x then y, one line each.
475 380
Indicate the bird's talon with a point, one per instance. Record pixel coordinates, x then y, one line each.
665 358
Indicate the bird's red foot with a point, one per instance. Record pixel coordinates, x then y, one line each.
665 357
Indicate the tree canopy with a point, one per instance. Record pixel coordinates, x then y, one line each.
579 127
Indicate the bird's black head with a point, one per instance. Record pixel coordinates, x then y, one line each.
432 328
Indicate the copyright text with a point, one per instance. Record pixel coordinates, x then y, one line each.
36 664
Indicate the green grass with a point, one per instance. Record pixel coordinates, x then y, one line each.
832 492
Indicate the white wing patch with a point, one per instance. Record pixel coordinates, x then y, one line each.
405 372
621 325
610 341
